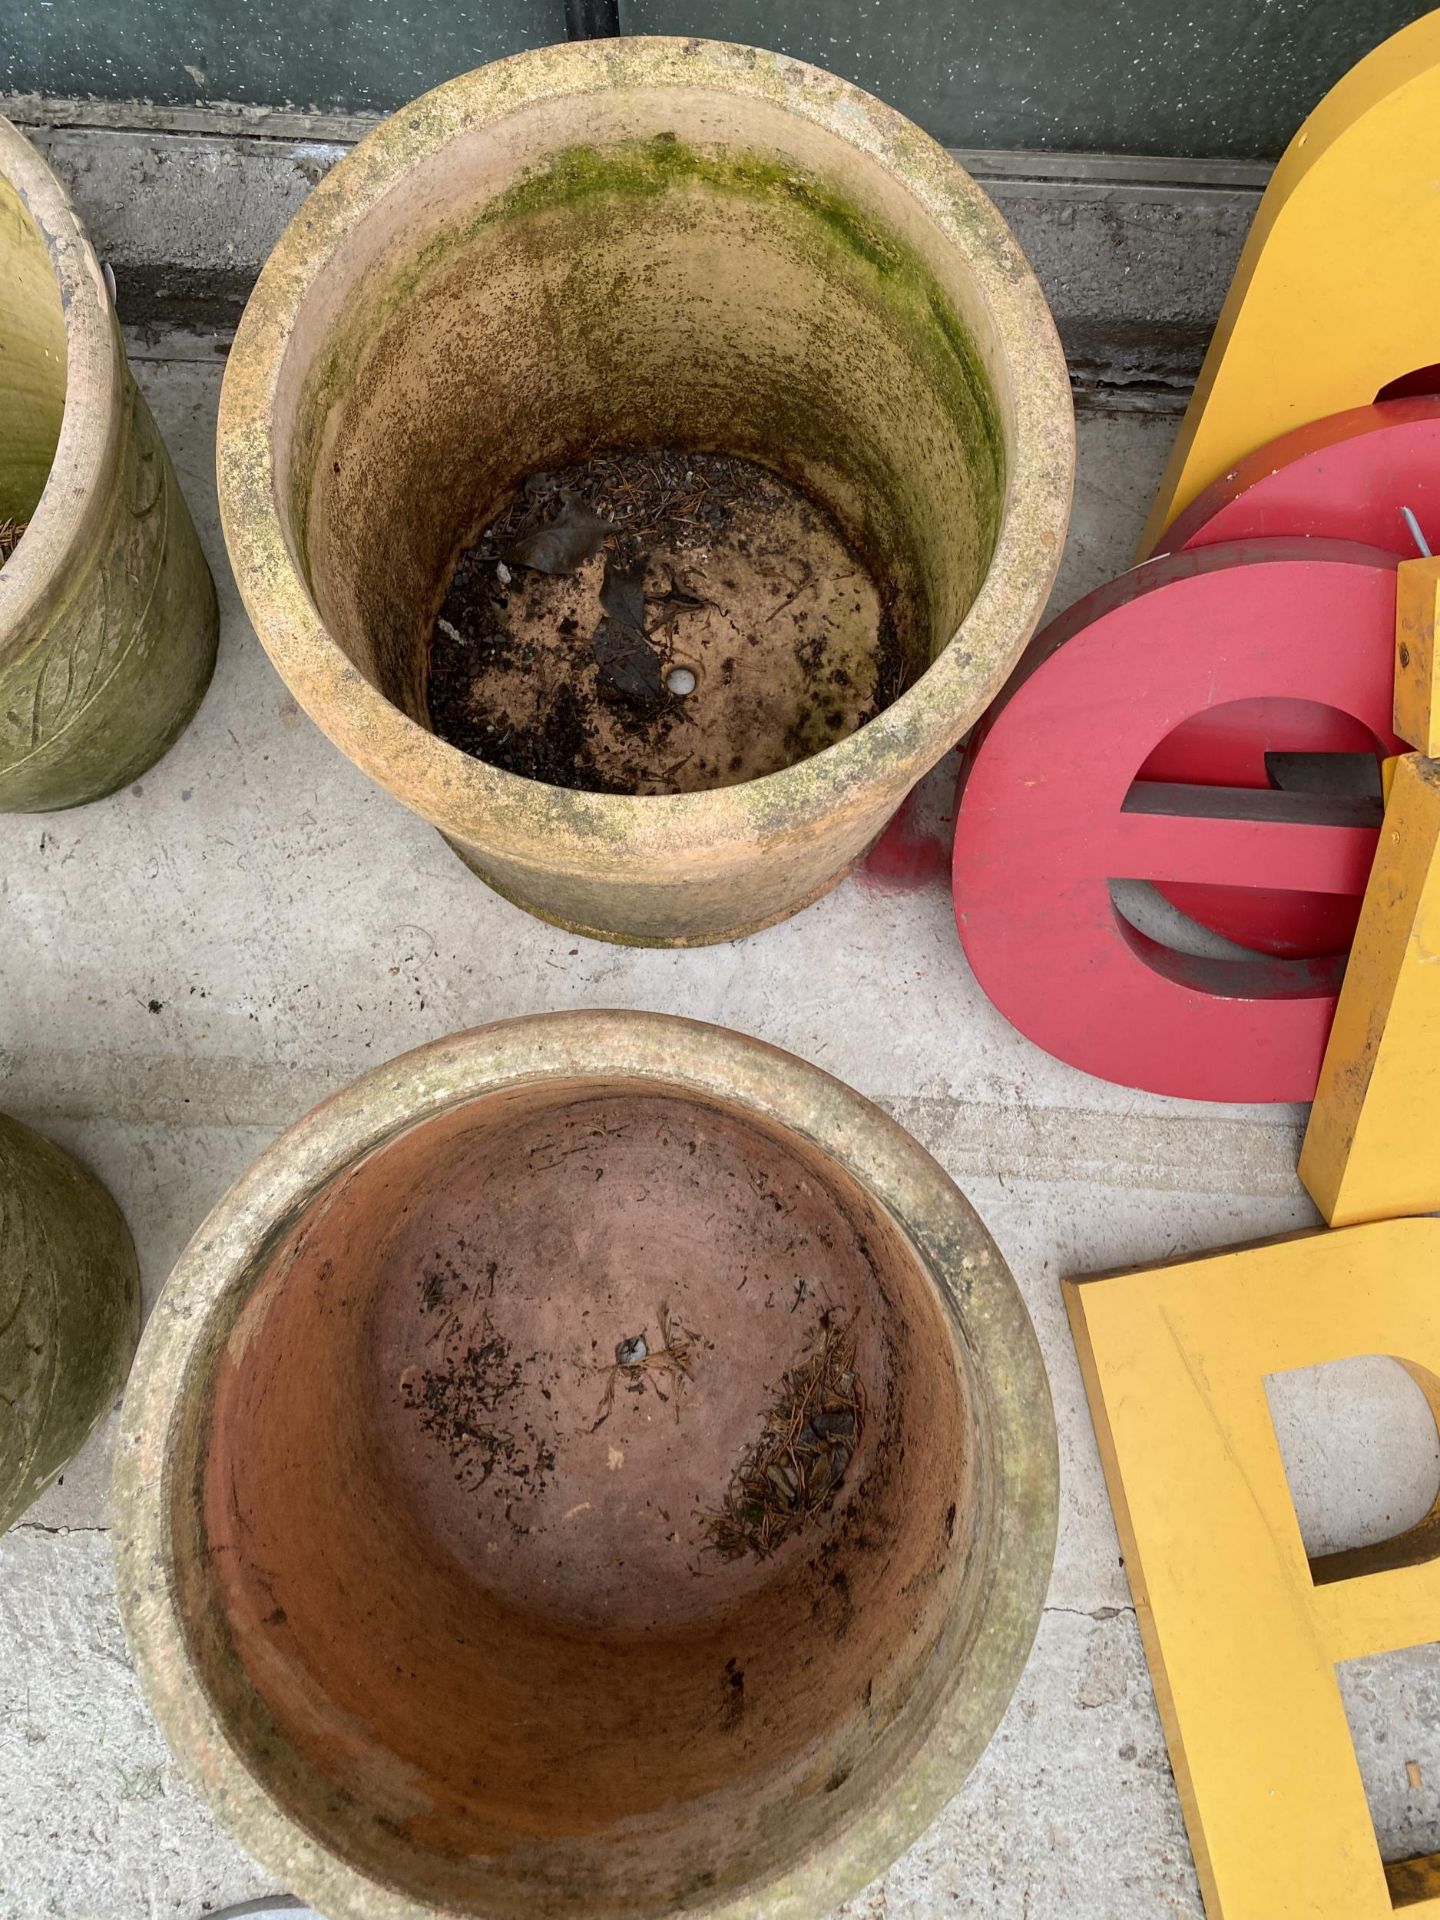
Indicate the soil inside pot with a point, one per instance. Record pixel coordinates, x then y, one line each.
652 621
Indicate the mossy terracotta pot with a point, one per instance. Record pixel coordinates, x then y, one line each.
69 1311
594 1465
108 616
627 243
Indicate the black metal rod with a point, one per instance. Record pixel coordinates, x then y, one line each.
592 19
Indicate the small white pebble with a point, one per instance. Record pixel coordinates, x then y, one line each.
451 631
502 573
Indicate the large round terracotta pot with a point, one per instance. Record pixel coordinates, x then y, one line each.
69 1311
108 617
440 1549
644 242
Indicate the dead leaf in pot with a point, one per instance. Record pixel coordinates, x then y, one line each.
628 664
566 543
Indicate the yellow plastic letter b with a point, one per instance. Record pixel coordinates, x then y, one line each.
1242 1631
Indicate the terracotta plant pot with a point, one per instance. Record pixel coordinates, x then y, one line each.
647 242
69 1311
438 1548
108 618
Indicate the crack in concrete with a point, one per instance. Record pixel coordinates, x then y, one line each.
37 1526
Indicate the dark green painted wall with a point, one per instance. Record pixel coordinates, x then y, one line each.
1207 77
1210 77
344 55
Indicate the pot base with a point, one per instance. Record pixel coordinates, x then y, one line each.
569 1389
615 938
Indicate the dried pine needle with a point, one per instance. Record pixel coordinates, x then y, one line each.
796 1467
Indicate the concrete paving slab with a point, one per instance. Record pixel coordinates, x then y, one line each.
192 964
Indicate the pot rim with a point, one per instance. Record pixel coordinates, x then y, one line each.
41 569
466 797
665 1053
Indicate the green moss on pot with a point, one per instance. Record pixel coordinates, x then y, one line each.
108 616
578 184
659 243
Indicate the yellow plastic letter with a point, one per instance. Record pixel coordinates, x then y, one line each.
1417 599
1372 1149
1334 295
1242 1631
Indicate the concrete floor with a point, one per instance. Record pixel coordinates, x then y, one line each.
189 966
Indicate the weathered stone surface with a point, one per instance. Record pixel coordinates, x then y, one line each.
98 1824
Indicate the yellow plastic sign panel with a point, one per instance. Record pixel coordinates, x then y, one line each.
1241 1630
1417 599
1335 292
1372 1148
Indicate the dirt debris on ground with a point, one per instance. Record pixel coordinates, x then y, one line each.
653 621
